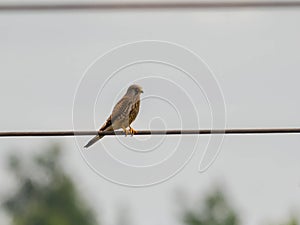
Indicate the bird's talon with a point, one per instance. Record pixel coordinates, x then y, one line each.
132 131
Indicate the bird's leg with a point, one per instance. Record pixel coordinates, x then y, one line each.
132 131
125 131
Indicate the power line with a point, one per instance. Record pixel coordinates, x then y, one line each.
153 132
147 6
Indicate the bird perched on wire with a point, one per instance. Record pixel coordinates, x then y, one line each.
123 114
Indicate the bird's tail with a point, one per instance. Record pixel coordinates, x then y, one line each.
93 140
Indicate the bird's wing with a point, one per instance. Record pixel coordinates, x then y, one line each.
121 109
106 125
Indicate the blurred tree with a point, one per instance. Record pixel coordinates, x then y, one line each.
45 195
214 211
292 221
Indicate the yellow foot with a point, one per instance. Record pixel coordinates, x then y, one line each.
132 131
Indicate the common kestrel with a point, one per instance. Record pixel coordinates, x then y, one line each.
123 114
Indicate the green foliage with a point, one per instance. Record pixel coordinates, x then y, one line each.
215 211
45 194
292 221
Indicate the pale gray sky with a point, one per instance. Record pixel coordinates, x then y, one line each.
255 56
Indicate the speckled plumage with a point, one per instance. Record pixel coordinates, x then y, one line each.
123 114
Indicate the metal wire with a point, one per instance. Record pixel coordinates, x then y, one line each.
153 132
147 6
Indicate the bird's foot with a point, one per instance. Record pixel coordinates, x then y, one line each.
126 131
132 131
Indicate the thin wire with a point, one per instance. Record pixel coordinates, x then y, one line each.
153 132
148 6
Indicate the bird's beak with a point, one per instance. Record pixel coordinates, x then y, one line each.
142 91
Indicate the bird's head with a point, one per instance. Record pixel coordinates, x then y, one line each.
134 90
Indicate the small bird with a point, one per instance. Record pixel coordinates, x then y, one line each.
123 114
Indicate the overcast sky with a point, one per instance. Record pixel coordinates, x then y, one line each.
254 55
